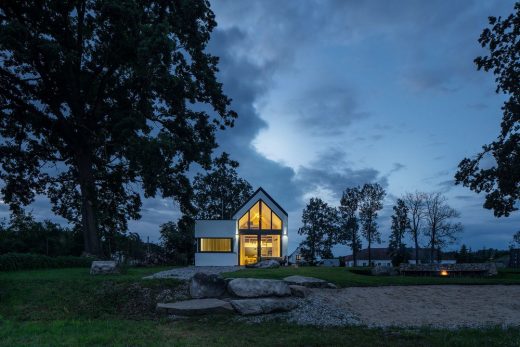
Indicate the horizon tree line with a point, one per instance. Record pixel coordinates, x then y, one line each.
415 214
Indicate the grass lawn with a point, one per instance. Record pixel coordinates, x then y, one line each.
68 307
344 278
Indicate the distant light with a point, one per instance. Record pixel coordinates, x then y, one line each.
444 273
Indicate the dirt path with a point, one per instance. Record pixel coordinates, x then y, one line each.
440 306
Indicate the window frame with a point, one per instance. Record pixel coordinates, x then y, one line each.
213 238
260 229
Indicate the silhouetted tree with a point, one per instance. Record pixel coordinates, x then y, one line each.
400 224
220 192
348 230
463 255
415 202
100 97
440 231
178 240
372 195
320 224
500 179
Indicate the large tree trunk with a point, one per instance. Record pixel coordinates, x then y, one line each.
369 251
432 246
416 240
354 250
88 206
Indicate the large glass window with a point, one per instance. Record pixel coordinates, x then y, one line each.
248 249
260 216
215 245
270 246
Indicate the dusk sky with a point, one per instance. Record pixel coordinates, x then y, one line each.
333 94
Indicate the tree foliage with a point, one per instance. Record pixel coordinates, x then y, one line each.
320 226
400 225
440 230
415 203
178 240
100 99
348 230
220 192
501 179
371 202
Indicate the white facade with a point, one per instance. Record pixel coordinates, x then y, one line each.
224 243
376 262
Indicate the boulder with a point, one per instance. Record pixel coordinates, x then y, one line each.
263 305
255 287
195 307
103 267
299 291
379 270
207 286
265 264
306 281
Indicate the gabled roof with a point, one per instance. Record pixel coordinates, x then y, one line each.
266 194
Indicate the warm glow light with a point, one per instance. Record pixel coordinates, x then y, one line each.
444 273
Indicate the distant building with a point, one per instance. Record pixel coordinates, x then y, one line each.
296 256
382 257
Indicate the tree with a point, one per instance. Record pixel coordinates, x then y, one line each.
516 240
100 99
463 255
440 230
220 192
178 240
400 224
371 202
320 226
500 180
348 230
415 203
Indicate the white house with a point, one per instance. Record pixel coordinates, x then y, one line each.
381 256
257 230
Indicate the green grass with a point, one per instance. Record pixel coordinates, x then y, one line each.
68 307
344 278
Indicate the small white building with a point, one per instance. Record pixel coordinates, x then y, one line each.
257 231
382 257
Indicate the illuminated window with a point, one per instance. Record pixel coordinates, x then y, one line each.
260 216
215 245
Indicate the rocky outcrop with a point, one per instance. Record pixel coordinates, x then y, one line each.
103 267
308 282
195 307
299 291
207 286
265 264
254 288
263 305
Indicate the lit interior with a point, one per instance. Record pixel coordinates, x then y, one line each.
215 245
444 273
260 217
269 247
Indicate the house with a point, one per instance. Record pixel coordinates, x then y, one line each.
296 256
381 256
256 231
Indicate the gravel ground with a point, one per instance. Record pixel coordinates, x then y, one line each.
319 308
185 273
436 306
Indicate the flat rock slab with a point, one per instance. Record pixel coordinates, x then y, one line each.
299 291
263 305
255 287
103 267
196 307
307 281
207 286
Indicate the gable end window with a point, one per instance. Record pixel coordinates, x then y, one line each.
260 217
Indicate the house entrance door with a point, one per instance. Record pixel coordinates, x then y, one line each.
248 249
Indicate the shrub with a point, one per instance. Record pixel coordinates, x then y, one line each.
27 261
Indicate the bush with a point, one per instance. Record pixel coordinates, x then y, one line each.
27 261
